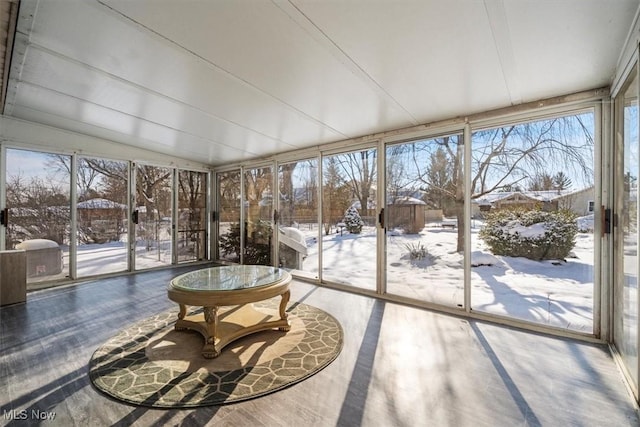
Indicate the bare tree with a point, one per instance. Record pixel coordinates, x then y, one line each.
287 192
360 170
113 177
86 176
503 158
153 191
397 177
258 183
192 195
39 208
438 180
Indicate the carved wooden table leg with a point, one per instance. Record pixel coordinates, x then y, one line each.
181 314
283 313
209 351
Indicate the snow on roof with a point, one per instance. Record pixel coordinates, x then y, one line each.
143 209
406 200
37 244
541 196
371 204
100 204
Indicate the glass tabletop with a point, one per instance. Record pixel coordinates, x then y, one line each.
228 278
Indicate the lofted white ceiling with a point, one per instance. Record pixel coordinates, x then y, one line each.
221 81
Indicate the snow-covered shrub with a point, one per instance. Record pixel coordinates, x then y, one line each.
353 221
416 250
532 234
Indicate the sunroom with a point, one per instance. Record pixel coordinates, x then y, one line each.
472 158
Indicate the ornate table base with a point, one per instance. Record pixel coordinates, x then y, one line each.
222 325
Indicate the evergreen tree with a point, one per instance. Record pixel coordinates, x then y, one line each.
335 193
542 182
561 181
440 187
353 221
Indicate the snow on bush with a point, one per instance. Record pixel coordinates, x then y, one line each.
585 223
532 234
416 250
353 221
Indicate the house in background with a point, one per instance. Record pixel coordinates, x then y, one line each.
580 202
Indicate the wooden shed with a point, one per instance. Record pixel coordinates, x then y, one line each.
406 213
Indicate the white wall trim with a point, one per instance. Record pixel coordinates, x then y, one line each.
16 133
628 55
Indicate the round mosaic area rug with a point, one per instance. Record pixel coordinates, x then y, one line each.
151 364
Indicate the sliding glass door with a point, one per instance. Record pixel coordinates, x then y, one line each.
424 237
192 216
349 239
258 216
38 188
499 218
533 221
229 199
298 217
626 267
152 216
102 196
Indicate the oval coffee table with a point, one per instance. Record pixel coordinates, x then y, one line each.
226 294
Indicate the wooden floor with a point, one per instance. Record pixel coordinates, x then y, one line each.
400 366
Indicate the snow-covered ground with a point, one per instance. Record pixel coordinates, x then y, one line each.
554 293
104 258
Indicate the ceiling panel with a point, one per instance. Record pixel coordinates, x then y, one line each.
222 81
117 52
258 43
135 103
567 46
437 59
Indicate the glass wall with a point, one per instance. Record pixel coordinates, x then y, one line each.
38 201
532 223
532 246
298 226
102 220
626 303
349 239
152 216
192 216
424 220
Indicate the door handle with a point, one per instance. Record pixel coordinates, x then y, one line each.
607 220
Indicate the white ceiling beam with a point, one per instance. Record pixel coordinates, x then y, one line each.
502 39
